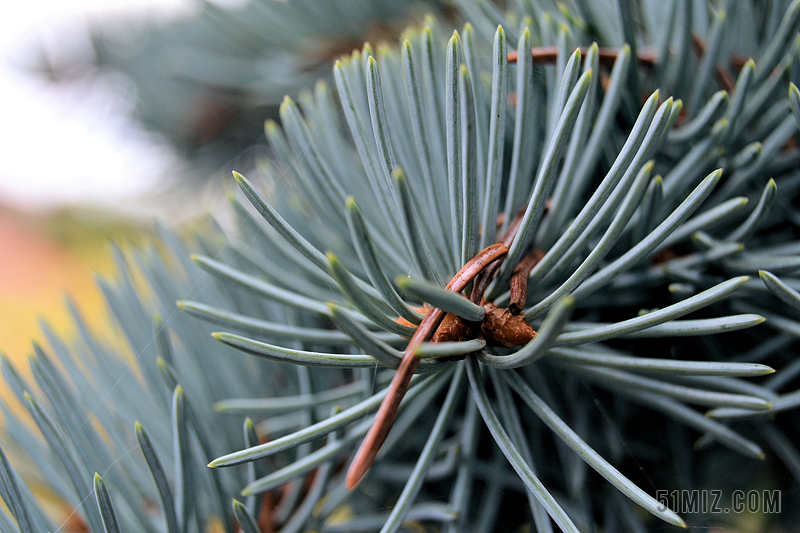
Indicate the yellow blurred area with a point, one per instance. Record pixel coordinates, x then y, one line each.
45 257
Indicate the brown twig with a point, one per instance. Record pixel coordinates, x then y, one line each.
547 55
474 266
408 365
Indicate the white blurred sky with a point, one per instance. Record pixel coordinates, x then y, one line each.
70 144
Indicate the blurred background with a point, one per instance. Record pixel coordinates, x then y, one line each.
76 168
116 112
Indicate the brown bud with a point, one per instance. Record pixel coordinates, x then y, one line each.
500 327
455 329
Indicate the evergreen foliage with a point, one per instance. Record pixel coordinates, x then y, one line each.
633 191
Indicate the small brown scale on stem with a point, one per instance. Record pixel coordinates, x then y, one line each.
499 327
455 329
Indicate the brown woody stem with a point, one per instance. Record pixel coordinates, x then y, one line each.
547 55
387 412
